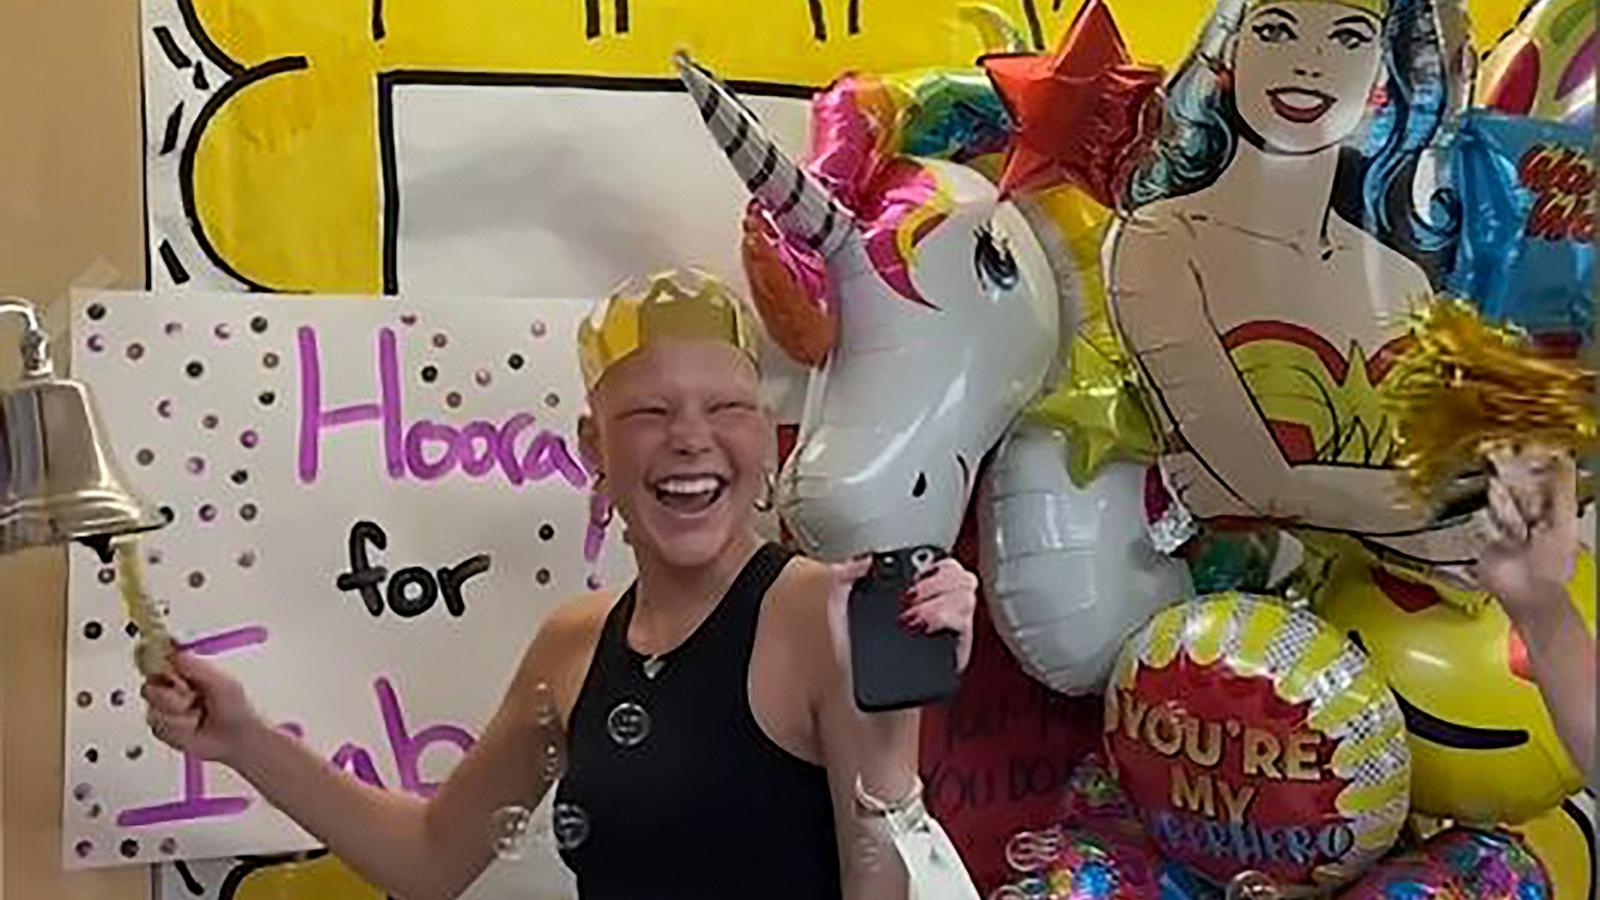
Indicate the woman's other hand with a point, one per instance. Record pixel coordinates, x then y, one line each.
1530 531
1530 551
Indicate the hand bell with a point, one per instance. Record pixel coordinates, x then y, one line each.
58 479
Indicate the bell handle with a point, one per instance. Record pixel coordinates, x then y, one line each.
35 344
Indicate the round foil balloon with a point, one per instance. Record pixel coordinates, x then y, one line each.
1545 67
1082 863
1563 840
1409 877
1460 864
1254 736
1483 747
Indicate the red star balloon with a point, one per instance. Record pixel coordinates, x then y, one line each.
1083 115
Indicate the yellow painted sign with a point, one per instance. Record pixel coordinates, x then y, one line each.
283 171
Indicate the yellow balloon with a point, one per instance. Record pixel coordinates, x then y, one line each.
1483 747
1564 841
323 877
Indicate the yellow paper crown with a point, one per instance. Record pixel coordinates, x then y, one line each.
682 304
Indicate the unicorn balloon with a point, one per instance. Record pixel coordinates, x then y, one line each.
940 320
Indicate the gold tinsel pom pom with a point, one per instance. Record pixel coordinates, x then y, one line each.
1463 385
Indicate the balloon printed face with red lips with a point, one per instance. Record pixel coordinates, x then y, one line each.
1302 72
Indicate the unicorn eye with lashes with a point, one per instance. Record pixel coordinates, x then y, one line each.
992 258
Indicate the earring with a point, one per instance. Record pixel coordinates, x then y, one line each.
764 502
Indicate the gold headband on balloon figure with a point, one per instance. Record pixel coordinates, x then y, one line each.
1379 8
683 304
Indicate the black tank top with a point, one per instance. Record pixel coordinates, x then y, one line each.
672 790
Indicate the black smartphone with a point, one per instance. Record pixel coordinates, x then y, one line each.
894 668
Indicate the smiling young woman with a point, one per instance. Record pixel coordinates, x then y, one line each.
706 717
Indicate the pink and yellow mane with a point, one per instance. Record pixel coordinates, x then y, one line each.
868 133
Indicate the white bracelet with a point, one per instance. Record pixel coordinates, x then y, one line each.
902 816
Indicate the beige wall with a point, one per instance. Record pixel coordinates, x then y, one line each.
70 213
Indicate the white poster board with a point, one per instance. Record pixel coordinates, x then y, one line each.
273 429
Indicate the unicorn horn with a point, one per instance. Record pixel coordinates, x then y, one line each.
800 206
995 28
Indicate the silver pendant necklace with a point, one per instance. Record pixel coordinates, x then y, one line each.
652 666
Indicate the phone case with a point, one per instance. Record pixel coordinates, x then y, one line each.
891 667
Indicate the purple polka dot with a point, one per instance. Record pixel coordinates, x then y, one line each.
195 465
164 409
452 400
222 331
96 343
208 513
249 440
135 352
440 340
482 377
173 328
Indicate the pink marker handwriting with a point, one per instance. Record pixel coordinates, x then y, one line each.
425 449
406 750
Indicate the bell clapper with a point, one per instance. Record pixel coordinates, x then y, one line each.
101 545
155 646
